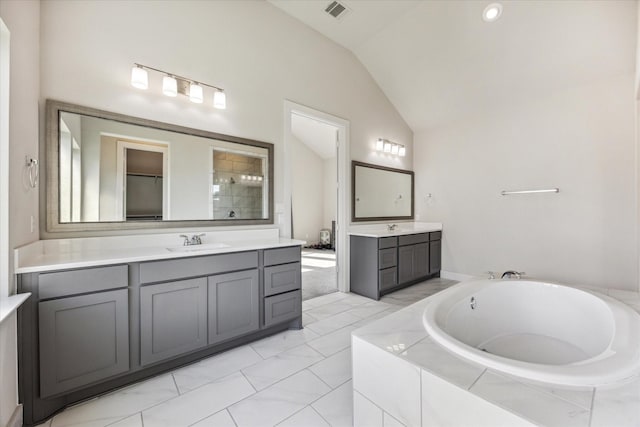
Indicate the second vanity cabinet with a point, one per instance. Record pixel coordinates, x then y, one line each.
88 330
379 265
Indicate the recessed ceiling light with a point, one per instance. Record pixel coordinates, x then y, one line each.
492 12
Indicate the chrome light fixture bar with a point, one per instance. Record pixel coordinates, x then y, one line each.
173 84
389 147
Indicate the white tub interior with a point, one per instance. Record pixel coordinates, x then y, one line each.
540 324
542 331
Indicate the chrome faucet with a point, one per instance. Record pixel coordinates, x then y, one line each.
511 274
392 227
194 240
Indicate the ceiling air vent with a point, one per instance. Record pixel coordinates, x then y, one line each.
337 10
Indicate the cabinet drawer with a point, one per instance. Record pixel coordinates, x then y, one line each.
387 258
83 340
387 278
411 239
435 235
387 242
63 283
279 308
160 271
281 255
281 278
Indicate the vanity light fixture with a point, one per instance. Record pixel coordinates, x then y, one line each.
173 84
386 146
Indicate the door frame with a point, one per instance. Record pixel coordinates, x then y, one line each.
121 172
5 272
343 185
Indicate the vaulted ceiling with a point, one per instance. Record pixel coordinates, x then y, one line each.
438 61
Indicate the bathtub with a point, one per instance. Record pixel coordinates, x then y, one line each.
541 331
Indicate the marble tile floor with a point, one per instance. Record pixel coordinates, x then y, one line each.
318 273
294 378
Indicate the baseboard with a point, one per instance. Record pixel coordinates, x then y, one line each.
16 418
454 276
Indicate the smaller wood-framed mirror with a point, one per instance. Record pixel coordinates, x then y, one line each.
380 193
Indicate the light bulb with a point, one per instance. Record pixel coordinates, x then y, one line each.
402 151
492 12
195 93
394 149
169 86
139 77
380 144
387 147
220 100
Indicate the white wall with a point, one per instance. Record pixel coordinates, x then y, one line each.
260 55
22 18
307 192
581 140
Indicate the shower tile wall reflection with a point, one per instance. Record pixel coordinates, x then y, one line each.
237 186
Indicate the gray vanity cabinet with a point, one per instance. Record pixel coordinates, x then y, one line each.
173 319
379 265
83 339
87 331
234 305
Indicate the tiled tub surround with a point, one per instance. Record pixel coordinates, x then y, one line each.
402 377
56 254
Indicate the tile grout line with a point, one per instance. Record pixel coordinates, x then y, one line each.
323 381
593 401
175 384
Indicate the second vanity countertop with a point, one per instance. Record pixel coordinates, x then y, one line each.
403 228
60 254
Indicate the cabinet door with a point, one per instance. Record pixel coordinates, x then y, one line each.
83 340
233 305
435 256
405 264
420 260
173 319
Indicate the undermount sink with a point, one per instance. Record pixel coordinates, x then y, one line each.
196 248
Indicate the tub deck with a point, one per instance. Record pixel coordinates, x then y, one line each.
401 374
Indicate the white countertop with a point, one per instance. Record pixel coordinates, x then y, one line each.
59 254
403 228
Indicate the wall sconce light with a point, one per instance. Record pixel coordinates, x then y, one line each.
386 146
173 84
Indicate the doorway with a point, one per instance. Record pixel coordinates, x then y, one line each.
315 206
142 181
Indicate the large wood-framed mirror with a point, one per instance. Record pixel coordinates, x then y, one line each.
108 171
380 193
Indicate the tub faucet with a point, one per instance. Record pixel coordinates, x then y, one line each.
511 274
